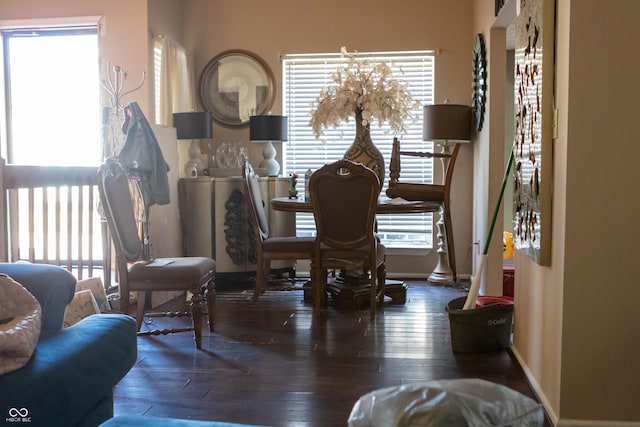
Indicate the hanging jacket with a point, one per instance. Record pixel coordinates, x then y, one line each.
141 155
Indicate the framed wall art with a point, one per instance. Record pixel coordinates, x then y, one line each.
533 132
235 85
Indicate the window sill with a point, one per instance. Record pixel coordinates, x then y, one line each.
405 251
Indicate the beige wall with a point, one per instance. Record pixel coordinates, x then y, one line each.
124 39
271 29
575 318
538 313
602 211
488 160
576 329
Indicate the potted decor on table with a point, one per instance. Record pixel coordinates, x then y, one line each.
293 192
367 91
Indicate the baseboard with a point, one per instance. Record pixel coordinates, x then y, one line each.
564 422
542 397
408 276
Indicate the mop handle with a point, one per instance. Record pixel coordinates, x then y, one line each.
474 289
497 210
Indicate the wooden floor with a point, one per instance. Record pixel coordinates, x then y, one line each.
274 364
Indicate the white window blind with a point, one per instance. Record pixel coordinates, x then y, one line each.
304 76
157 76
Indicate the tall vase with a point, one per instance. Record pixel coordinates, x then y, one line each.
364 151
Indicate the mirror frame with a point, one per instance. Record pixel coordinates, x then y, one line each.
249 69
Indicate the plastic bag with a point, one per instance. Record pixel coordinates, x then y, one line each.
462 402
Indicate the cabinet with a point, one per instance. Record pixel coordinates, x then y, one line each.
215 224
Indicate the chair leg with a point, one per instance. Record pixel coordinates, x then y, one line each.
260 278
142 296
382 280
316 285
124 294
451 250
323 287
210 295
374 290
196 316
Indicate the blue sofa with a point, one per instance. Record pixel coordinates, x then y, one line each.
142 421
69 380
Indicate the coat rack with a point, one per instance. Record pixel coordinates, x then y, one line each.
115 87
113 116
113 139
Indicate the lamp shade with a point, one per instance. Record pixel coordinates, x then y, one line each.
448 122
268 128
193 125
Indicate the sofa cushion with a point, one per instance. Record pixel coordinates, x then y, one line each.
82 305
20 317
72 371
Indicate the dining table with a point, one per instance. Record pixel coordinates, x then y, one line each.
348 290
386 205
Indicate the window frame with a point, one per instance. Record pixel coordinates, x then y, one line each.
25 203
61 27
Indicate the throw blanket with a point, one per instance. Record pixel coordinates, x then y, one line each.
20 317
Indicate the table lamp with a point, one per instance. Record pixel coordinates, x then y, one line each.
268 129
447 123
193 125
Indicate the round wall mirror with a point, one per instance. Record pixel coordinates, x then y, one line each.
236 85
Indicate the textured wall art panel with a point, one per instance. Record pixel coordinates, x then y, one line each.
533 128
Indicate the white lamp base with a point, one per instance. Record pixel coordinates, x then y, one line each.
194 166
269 162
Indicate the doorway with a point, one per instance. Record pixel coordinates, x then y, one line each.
508 254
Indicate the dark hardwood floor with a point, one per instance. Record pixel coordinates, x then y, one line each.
273 363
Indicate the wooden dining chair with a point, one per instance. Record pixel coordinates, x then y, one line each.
194 274
269 247
439 193
344 197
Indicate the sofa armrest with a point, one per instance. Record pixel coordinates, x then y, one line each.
69 380
52 286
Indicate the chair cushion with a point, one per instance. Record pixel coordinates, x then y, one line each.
187 270
20 317
289 244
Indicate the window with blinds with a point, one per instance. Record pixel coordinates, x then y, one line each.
304 76
157 67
